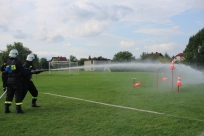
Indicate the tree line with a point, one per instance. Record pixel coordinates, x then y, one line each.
193 54
194 51
23 52
123 56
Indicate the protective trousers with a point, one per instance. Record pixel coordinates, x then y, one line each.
29 86
4 80
32 89
14 87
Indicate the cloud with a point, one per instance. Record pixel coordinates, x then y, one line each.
84 11
57 38
160 31
3 28
83 18
74 19
49 54
67 45
20 35
91 28
85 27
125 44
160 47
48 35
200 23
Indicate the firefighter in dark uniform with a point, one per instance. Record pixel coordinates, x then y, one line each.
27 82
15 71
4 76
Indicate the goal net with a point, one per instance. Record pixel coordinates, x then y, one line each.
63 67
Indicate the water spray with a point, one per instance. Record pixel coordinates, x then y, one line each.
172 68
186 71
157 80
164 79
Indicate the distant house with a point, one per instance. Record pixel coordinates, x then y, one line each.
88 65
179 57
155 54
58 62
58 59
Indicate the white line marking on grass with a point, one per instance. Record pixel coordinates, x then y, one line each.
124 107
112 105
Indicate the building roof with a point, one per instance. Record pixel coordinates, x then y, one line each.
180 55
59 58
156 54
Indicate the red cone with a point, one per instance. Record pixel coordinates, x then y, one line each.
137 84
179 81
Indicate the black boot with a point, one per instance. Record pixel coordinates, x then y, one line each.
18 109
34 103
7 108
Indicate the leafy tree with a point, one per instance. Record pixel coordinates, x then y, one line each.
36 63
167 56
44 63
151 56
99 58
72 58
22 51
81 61
144 56
123 56
3 56
164 59
194 51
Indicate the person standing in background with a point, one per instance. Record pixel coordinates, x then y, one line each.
4 76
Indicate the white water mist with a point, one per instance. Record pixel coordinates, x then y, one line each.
188 75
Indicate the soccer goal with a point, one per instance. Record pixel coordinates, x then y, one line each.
64 67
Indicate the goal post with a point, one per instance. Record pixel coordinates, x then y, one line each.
64 67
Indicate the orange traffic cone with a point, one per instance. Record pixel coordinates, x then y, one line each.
179 81
172 62
164 79
172 65
137 84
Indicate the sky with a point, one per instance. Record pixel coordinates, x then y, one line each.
83 28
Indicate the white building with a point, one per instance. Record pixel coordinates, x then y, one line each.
94 65
179 57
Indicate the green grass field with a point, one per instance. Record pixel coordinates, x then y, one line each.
106 104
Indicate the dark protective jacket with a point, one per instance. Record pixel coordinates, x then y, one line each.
16 67
28 66
4 74
29 70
